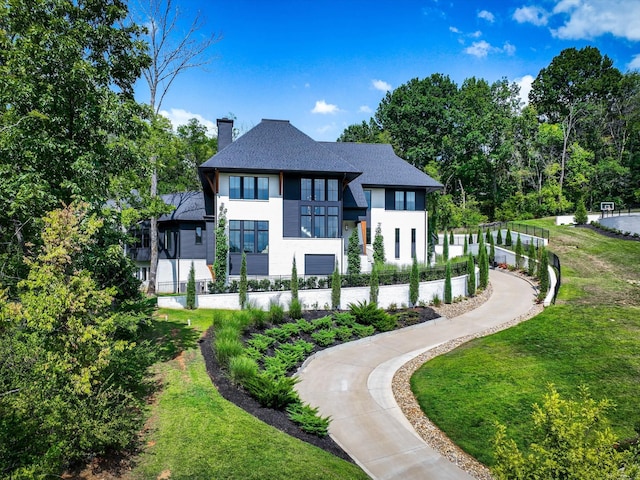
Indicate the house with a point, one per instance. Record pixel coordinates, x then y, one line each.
287 195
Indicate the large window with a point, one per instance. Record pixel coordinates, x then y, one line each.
248 236
319 221
404 200
319 189
249 188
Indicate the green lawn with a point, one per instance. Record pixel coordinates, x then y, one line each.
195 433
590 337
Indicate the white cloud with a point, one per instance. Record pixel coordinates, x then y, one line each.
307 85
487 15
588 19
508 48
365 109
535 15
178 116
476 34
479 49
381 85
634 64
454 30
325 108
525 87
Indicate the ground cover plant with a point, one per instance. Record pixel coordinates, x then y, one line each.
194 432
590 337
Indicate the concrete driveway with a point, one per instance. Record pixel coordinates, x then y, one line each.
352 384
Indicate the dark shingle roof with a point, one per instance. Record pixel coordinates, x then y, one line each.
189 206
275 145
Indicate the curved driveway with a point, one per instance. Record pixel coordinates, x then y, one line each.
352 384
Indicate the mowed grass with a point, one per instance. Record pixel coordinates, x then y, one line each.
194 433
590 337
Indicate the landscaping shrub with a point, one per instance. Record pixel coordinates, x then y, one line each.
226 348
447 283
353 254
191 289
488 236
278 333
445 247
344 318
492 251
261 342
414 284
374 284
581 217
344 333
483 265
336 285
293 286
386 322
378 246
305 326
243 281
276 313
308 418
362 331
324 322
470 238
471 278
277 393
369 314
465 249
518 251
543 273
242 368
499 237
531 261
507 240
452 239
258 316
295 309
324 337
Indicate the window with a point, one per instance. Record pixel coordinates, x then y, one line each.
397 252
198 235
319 222
399 200
319 189
413 243
168 239
404 200
248 236
367 196
411 200
249 188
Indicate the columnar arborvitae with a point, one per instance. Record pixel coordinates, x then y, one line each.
492 251
487 236
499 237
414 282
531 261
518 250
294 280
222 251
353 254
478 235
374 284
191 288
507 240
470 237
581 217
378 246
471 277
543 273
336 285
445 247
483 265
466 246
242 289
452 239
447 283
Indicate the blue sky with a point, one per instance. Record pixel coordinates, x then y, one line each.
325 65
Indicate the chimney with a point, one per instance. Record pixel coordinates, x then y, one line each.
225 132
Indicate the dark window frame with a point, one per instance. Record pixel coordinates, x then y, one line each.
309 191
198 235
397 247
258 192
404 202
241 230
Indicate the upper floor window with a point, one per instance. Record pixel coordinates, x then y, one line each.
249 188
319 189
367 196
405 200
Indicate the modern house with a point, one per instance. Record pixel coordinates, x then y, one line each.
287 195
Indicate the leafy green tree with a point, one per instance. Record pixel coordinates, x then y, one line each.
374 284
242 288
531 260
191 288
581 216
519 252
448 298
222 252
570 439
378 246
414 282
294 280
336 285
445 246
471 277
353 254
363 133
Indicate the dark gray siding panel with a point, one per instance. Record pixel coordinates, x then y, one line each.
319 264
210 241
389 199
421 196
291 218
257 264
188 246
291 188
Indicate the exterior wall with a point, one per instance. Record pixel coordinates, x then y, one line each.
173 273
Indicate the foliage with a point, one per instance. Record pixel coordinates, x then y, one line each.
369 314
353 254
451 238
71 357
276 313
374 284
277 393
445 246
309 419
465 249
336 285
295 309
531 260
543 272
507 239
324 337
470 238
499 237
581 217
571 440
471 278
483 266
242 292
414 282
294 280
519 252
222 251
191 288
242 368
378 246
447 284
492 251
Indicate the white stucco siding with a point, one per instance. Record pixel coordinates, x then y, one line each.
389 220
171 272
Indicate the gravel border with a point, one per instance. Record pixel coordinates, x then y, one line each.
401 387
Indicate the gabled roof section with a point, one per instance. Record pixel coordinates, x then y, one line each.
189 206
276 145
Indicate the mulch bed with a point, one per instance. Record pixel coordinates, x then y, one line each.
609 234
280 419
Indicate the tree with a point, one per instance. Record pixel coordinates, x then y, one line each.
581 216
222 252
294 280
191 288
471 277
336 285
499 237
492 251
543 272
445 246
168 61
363 133
531 260
465 249
374 284
353 254
483 265
68 71
242 289
518 252
570 439
447 283
378 246
507 239
451 238
470 237
414 282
